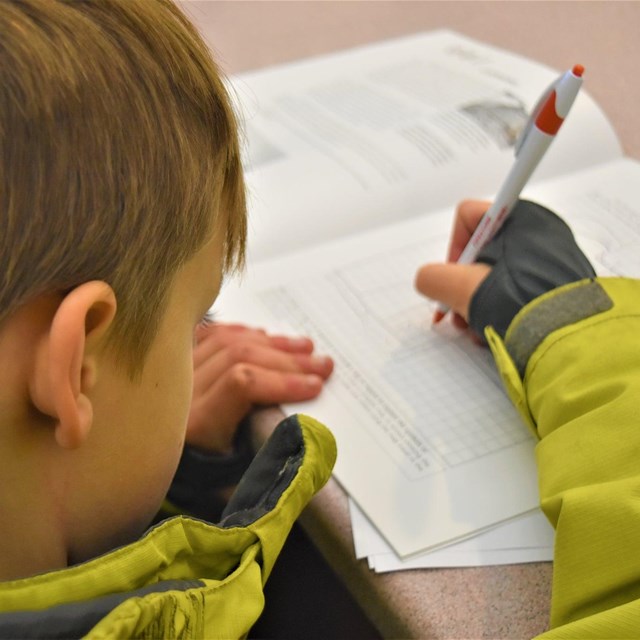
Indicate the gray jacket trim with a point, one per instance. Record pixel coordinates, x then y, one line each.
76 619
564 308
270 473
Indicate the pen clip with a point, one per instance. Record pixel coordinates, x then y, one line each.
532 117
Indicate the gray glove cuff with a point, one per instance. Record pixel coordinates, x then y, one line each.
533 252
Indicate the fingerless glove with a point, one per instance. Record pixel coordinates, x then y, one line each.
533 252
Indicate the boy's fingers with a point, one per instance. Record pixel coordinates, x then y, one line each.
220 408
214 338
459 322
451 283
266 386
468 215
208 371
294 344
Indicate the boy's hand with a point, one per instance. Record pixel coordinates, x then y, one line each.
451 283
236 367
533 252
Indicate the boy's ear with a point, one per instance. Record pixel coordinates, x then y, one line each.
67 360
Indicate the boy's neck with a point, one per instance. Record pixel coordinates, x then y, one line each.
32 539
32 523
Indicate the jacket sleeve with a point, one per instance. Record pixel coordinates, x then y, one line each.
571 363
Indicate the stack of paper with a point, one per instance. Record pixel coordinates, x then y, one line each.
528 538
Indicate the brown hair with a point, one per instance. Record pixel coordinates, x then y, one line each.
119 155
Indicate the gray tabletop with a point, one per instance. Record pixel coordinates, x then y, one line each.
489 602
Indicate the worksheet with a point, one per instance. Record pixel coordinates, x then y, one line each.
429 446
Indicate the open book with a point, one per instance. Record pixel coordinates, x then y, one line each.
355 162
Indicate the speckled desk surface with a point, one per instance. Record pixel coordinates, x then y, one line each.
480 602
485 602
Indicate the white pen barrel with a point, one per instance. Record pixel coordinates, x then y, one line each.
526 163
528 158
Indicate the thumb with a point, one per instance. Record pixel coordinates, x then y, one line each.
451 283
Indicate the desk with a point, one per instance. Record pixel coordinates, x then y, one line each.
480 602
495 602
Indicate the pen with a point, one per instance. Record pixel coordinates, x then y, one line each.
540 130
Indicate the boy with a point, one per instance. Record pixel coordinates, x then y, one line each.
120 191
122 206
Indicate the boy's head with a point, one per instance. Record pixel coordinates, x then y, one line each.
121 205
119 155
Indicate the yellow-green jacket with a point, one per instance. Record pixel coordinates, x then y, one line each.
571 363
185 578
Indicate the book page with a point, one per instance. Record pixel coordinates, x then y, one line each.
340 143
429 445
602 206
